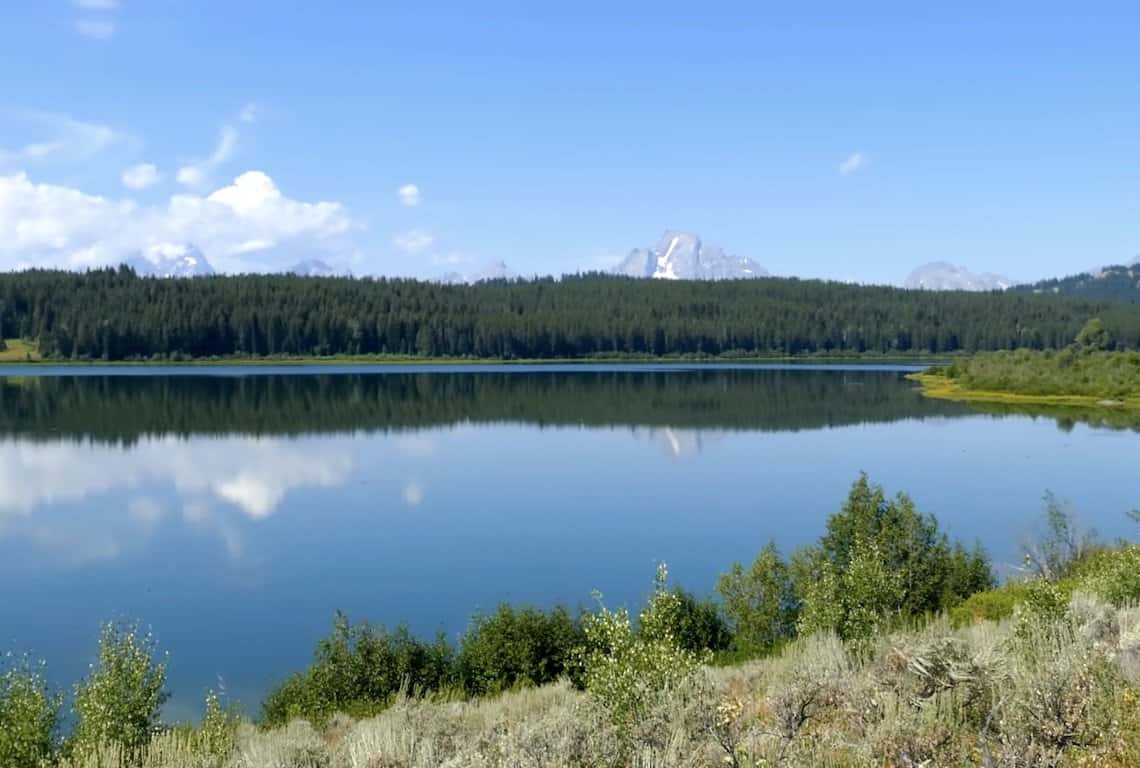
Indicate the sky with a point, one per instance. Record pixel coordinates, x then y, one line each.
847 141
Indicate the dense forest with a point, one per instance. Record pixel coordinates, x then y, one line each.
1116 283
113 314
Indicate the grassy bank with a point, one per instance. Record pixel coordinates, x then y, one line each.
1086 374
939 385
19 351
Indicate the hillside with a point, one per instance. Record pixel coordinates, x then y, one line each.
1115 283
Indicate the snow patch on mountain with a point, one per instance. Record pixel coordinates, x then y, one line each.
494 270
682 256
171 260
944 276
315 268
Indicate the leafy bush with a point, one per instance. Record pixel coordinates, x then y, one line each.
853 602
992 605
357 670
28 714
760 602
628 672
696 624
517 646
881 557
120 700
1114 574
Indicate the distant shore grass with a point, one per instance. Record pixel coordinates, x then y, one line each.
19 351
941 387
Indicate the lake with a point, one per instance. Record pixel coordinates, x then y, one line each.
234 509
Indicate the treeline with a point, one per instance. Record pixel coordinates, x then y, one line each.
1116 283
113 314
123 409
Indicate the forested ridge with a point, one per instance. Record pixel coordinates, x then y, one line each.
114 314
1118 283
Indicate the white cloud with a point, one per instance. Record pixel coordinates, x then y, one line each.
141 176
95 29
57 226
414 240
198 173
409 195
96 5
248 114
64 138
853 164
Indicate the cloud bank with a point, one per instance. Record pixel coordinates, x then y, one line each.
249 225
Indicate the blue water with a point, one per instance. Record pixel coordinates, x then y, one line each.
401 496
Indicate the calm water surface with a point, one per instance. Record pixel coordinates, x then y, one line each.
234 509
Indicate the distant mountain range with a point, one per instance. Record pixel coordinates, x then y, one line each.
314 268
682 256
495 270
944 276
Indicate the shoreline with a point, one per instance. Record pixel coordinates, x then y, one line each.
393 360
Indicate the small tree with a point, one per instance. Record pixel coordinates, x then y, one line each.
1093 337
120 701
760 602
853 602
628 672
28 713
1063 545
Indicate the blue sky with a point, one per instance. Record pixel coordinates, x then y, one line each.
824 140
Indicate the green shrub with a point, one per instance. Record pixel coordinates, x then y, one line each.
517 646
1114 574
911 544
357 670
696 624
855 601
992 605
28 714
760 602
882 557
120 700
629 672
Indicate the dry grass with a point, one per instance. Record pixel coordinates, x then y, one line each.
19 351
1065 693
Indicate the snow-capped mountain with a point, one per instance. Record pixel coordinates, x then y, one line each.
495 270
682 256
313 268
944 276
171 260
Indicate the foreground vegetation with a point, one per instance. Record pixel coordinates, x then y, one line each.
884 644
1084 374
116 315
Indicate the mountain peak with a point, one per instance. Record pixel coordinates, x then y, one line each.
944 276
171 260
314 268
682 256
